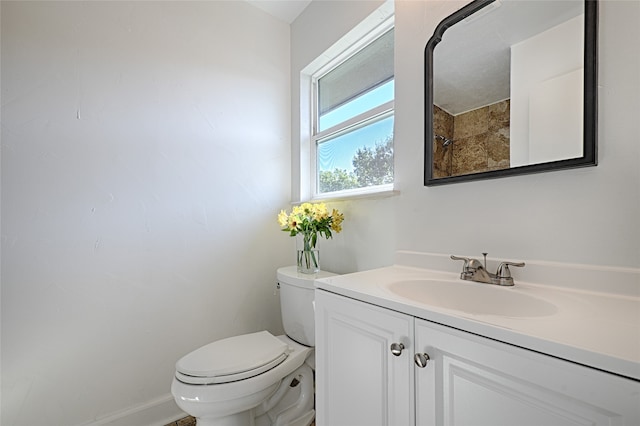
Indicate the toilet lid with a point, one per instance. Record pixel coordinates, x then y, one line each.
234 358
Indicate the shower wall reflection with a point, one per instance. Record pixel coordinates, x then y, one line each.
479 140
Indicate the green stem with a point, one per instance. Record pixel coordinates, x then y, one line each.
307 255
307 242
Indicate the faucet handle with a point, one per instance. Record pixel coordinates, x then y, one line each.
469 267
466 260
503 275
503 269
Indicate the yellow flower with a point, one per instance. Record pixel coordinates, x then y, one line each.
292 222
311 220
283 218
336 223
320 211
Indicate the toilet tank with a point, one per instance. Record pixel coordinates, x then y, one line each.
296 303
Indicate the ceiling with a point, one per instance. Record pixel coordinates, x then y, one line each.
285 10
472 63
458 84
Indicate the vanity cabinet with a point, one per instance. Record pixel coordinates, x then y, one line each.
358 380
468 379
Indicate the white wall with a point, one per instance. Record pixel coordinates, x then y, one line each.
145 156
368 237
546 71
145 153
587 216
556 119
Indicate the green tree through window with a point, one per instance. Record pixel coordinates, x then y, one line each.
371 166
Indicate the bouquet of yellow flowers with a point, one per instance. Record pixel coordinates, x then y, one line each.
310 220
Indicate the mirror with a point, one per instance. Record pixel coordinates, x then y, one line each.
510 88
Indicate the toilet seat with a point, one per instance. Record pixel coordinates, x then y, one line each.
232 359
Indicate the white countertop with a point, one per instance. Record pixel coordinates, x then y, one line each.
595 329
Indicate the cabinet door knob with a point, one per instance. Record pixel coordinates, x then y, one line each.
421 360
396 348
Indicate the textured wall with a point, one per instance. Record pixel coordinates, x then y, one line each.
442 155
145 155
480 140
563 216
368 237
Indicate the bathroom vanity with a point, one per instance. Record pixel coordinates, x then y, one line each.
415 346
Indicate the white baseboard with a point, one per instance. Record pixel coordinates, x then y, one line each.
157 412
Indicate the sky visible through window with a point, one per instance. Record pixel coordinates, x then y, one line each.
338 152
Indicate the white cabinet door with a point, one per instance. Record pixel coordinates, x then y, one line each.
358 380
471 380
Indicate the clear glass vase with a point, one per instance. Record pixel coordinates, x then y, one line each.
308 261
308 257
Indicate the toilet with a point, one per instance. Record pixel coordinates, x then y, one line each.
256 379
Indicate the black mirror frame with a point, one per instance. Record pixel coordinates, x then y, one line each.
590 113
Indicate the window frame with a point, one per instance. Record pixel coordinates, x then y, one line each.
361 120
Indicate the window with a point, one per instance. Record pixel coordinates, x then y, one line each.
352 120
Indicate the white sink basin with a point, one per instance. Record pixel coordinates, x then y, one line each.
473 298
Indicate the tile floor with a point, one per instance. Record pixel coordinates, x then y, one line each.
191 421
187 421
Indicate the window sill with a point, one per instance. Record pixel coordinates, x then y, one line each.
365 193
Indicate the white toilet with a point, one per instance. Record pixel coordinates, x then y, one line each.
256 379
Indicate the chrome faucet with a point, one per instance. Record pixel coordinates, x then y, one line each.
474 270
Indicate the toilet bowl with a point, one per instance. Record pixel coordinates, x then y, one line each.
256 379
